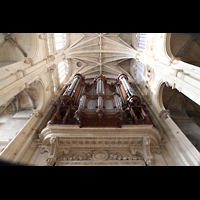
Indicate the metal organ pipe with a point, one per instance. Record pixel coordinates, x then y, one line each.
119 91
118 102
66 91
72 88
82 102
100 102
128 89
125 86
80 93
99 82
100 87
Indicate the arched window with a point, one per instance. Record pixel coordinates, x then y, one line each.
60 40
141 40
138 69
50 43
55 41
63 69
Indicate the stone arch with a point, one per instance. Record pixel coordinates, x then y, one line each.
183 47
34 46
159 95
41 100
168 47
184 112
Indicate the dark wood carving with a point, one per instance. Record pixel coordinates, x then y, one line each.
69 111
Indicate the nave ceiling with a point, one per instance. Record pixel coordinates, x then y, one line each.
108 54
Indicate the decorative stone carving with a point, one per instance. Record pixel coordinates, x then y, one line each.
42 36
50 58
28 61
168 84
91 146
43 150
164 114
50 161
100 155
37 113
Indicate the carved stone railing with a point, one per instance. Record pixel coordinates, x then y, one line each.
130 145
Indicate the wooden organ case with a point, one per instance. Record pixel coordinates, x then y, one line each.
100 104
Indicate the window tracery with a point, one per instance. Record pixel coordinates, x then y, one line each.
141 40
138 68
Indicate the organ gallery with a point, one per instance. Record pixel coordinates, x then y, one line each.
100 104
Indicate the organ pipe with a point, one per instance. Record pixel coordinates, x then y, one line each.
128 89
72 88
125 86
80 93
118 102
119 91
82 102
100 102
100 87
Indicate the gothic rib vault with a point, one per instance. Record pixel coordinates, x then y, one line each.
101 53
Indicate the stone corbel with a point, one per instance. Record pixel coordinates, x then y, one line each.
175 60
148 158
51 159
37 113
51 68
168 84
44 149
28 61
42 36
164 114
50 58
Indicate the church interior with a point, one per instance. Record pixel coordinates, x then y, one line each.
100 99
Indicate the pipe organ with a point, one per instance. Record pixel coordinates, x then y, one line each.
100 104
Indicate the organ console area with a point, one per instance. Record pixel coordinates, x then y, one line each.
100 104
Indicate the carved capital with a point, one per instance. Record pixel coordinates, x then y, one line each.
52 140
164 114
28 61
42 36
44 150
146 151
50 58
50 161
37 113
168 84
149 160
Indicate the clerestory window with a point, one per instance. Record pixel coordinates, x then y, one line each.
60 40
63 69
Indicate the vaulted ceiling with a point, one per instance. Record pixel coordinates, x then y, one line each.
100 53
14 47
